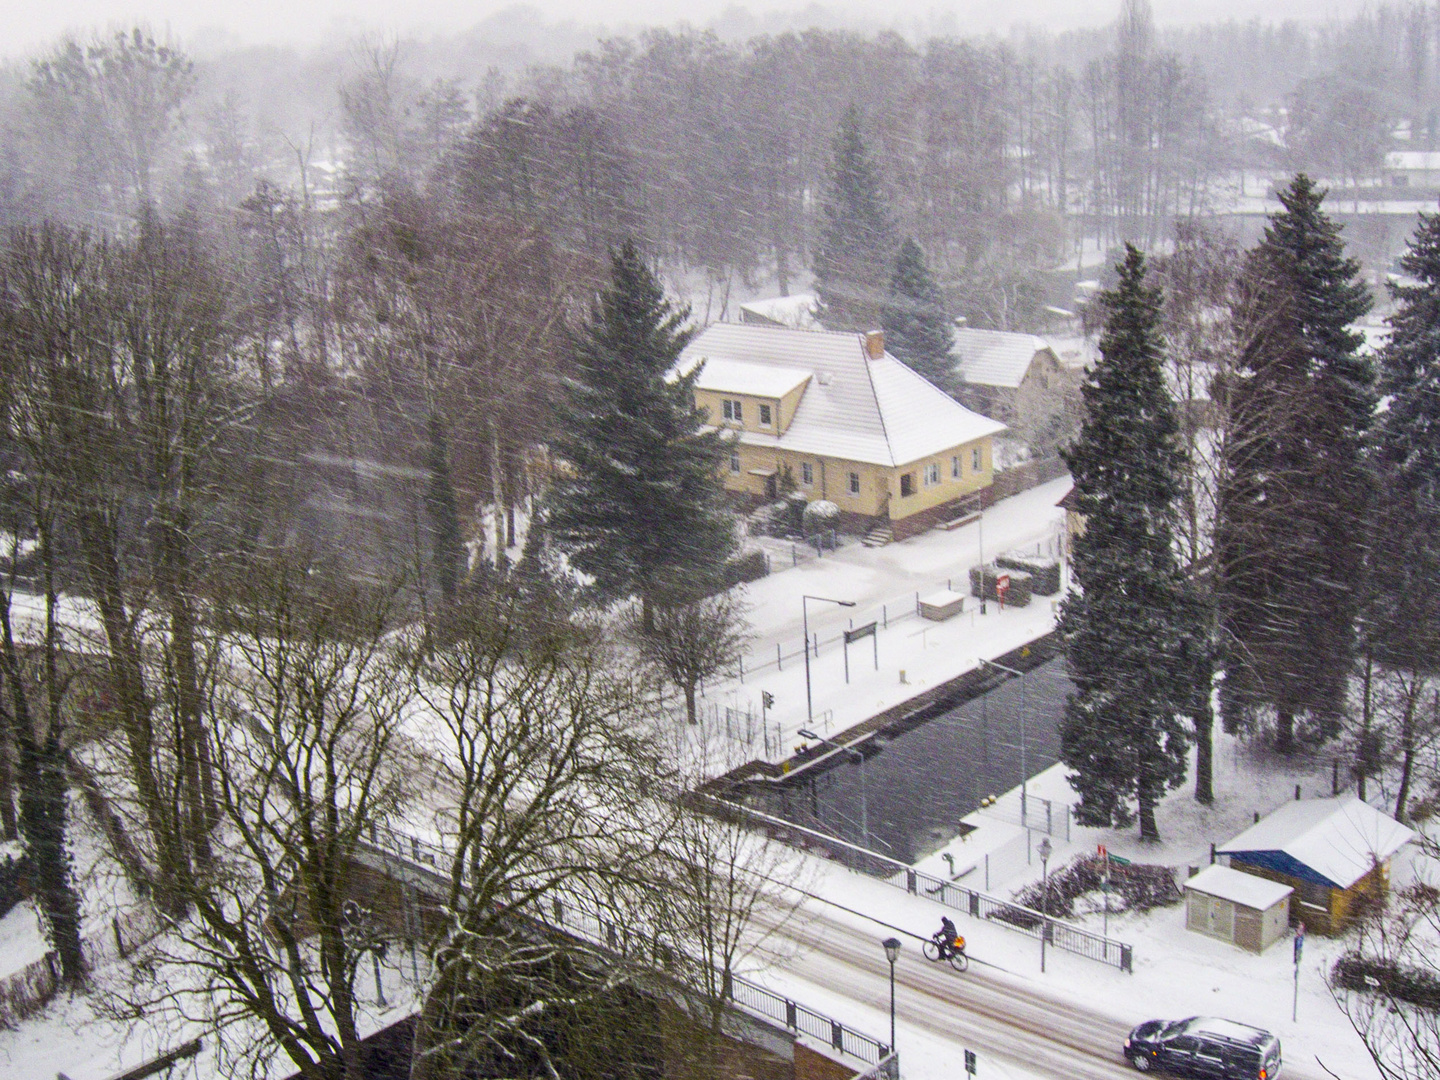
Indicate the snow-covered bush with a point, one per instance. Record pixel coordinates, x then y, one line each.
819 516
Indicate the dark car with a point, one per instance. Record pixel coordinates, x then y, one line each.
1205 1047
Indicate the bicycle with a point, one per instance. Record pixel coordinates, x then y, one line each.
938 951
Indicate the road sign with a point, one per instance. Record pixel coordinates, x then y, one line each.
1117 860
1299 942
868 630
970 1062
1100 850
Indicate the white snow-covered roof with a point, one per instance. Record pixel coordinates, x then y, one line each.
995 357
875 411
1238 887
1341 839
744 377
1428 160
797 312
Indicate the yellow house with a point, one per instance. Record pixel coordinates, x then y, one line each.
843 420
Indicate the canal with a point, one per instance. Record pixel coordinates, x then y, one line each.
918 784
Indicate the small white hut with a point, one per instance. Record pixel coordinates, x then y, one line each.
1240 908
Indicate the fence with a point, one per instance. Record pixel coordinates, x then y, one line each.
753 730
1037 815
807 1021
26 991
576 916
894 609
974 902
1058 934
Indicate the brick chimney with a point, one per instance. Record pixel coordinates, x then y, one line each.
875 344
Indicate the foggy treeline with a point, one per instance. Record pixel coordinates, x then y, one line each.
1000 157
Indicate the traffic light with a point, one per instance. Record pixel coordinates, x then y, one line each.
767 699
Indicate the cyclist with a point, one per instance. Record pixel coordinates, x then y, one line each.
948 939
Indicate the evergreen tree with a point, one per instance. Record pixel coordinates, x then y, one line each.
857 238
917 330
1403 627
1134 633
1291 509
638 504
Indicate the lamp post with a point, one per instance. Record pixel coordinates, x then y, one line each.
892 953
1044 851
981 524
805 621
806 733
1024 769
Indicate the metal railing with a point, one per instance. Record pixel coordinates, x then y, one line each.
574 915
806 1021
973 902
1025 920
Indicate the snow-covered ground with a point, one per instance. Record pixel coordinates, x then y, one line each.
1176 972
883 583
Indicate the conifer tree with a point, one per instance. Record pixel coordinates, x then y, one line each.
1134 633
1291 510
857 237
638 503
1404 582
917 329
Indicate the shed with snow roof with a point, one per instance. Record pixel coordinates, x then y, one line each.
1240 908
1332 852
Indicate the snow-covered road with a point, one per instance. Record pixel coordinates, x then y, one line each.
1004 1019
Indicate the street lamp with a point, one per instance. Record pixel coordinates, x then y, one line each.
806 733
1024 770
805 619
1044 851
892 953
982 562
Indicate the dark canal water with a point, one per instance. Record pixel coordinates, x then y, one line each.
920 783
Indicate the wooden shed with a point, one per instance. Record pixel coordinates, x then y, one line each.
1240 908
1332 852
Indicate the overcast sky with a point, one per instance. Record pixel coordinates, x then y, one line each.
33 24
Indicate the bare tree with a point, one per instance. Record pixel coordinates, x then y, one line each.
725 895
1387 984
689 642
115 106
304 714
553 788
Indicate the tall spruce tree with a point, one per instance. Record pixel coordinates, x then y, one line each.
639 504
917 330
857 237
1291 509
1135 633
1403 628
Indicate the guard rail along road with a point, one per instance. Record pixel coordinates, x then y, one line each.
1058 934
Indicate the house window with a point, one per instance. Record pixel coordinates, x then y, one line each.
854 483
807 473
764 415
734 462
975 460
907 484
932 474
955 467
734 411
